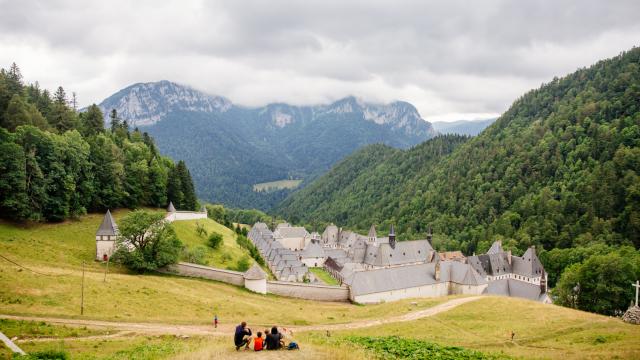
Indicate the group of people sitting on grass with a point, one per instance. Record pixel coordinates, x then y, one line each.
273 340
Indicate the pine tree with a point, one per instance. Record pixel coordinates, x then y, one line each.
189 202
60 96
174 188
115 120
157 184
93 121
16 114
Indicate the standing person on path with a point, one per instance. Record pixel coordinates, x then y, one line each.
215 321
242 336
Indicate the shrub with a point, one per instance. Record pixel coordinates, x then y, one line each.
243 264
146 242
200 230
215 240
194 255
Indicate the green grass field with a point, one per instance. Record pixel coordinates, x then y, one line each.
323 275
229 253
277 185
541 331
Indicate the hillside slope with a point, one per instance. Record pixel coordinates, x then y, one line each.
367 184
229 148
559 168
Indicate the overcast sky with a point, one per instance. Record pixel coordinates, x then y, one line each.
461 60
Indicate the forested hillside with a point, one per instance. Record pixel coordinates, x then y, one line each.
558 169
56 163
362 188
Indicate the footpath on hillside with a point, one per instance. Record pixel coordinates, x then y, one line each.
126 328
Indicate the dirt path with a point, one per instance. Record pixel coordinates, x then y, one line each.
225 330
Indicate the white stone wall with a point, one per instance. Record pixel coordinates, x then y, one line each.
313 262
433 290
105 247
258 286
185 215
308 291
458 289
206 272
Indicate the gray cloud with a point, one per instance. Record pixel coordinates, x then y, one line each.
453 59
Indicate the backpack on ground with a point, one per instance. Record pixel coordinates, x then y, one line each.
293 346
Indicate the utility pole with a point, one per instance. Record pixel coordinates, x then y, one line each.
106 269
82 293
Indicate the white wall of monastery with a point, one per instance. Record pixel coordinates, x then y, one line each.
313 262
185 215
258 286
433 290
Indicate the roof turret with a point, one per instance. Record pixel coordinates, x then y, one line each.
108 226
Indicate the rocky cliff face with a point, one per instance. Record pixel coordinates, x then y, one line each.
145 104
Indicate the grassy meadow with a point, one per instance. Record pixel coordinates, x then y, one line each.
229 253
541 331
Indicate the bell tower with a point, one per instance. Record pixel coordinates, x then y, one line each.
373 236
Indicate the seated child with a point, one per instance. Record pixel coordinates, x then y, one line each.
258 342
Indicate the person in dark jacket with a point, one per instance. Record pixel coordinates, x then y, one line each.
242 336
274 340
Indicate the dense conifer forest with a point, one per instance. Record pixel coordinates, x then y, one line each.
57 163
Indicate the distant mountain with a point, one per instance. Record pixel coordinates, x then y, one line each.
560 168
462 127
229 148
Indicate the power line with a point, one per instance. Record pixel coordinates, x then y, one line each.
33 271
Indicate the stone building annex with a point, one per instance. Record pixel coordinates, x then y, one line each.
382 269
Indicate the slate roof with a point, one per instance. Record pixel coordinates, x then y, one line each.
389 279
313 250
491 264
108 226
460 273
495 248
404 252
528 265
171 208
291 232
255 273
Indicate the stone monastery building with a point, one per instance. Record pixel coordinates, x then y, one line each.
382 269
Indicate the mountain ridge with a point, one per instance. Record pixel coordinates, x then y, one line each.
229 148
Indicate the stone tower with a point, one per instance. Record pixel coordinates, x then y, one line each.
106 237
373 236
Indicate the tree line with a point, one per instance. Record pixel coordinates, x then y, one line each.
56 162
